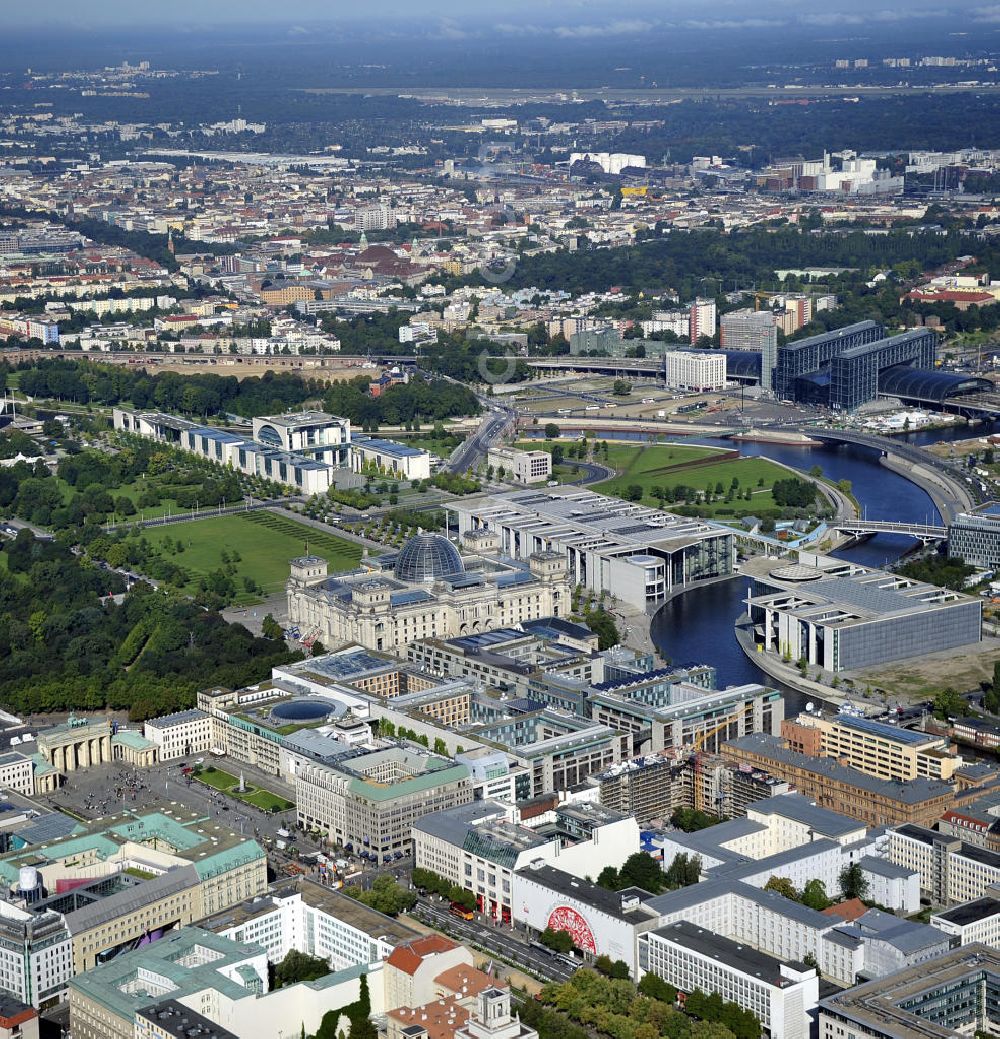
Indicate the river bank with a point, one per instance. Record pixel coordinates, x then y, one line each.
697 627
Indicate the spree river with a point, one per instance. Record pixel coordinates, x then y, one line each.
697 627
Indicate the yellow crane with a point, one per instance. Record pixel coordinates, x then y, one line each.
700 740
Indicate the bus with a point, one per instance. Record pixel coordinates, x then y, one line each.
459 910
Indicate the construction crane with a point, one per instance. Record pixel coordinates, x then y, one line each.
758 296
700 740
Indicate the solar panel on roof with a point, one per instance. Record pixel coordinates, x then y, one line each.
409 598
515 578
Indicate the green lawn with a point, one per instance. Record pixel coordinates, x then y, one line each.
442 448
227 783
644 467
264 541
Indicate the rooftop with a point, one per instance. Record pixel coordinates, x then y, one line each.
349 910
599 898
186 961
168 721
794 806
727 952
409 956
971 912
180 1022
912 792
881 1007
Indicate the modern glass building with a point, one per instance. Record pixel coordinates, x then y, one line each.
841 616
850 366
975 537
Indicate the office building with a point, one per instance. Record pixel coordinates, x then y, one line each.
378 457
303 471
36 955
315 434
886 751
841 788
478 847
951 871
789 837
838 615
429 591
782 996
954 994
975 538
971 922
694 372
180 734
755 331
519 466
225 982
368 800
124 877
635 553
311 918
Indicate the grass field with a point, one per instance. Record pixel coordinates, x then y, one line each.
265 543
643 467
227 783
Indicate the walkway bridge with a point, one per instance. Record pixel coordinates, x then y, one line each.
925 533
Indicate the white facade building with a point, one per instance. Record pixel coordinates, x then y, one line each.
951 871
478 847
17 773
975 921
600 922
36 954
697 373
315 434
390 459
782 996
180 734
610 162
315 921
521 466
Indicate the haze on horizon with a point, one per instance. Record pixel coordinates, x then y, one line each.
457 19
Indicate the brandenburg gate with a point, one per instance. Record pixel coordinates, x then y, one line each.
77 744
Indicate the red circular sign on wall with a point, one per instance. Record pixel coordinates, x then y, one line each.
565 918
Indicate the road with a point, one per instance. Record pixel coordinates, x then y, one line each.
496 940
473 449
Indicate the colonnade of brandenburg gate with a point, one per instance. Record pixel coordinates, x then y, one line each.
77 744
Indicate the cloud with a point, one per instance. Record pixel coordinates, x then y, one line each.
621 27
989 13
734 23
449 29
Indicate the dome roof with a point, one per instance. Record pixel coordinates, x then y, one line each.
426 556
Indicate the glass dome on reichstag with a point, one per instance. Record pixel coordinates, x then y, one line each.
426 556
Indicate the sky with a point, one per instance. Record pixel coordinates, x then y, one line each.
560 18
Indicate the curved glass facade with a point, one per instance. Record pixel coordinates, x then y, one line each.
928 385
270 436
427 556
